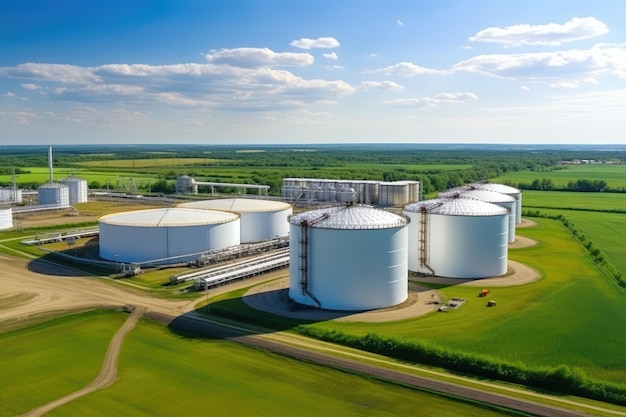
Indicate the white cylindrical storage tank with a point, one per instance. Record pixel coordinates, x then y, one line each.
77 189
502 200
457 238
504 189
13 195
166 235
414 191
54 194
348 258
6 218
260 219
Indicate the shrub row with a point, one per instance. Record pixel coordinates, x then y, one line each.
561 378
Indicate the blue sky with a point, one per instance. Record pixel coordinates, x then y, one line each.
323 71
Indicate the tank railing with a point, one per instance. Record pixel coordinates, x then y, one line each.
423 236
304 257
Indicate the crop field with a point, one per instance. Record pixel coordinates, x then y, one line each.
614 175
591 214
162 374
41 175
574 315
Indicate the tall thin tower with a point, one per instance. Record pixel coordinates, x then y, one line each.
50 163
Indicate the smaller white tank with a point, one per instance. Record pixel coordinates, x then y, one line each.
77 189
504 189
186 185
457 238
13 195
54 194
6 218
502 200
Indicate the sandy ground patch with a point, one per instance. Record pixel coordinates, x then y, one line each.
272 297
522 242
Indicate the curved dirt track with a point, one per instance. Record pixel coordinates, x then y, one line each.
108 373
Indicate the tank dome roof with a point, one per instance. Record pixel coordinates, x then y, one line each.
350 217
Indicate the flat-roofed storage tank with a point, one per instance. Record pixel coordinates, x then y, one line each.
502 200
504 189
167 235
348 258
457 238
260 219
77 189
54 194
6 218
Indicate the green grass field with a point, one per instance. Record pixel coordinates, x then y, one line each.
162 374
614 175
574 315
148 163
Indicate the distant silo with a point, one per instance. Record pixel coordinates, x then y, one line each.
504 189
160 234
393 194
54 194
6 218
260 219
12 195
348 258
186 185
77 189
502 200
457 238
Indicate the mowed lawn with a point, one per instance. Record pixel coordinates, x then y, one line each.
574 315
162 374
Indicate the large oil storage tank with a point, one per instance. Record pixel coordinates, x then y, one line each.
504 189
348 258
260 219
502 200
6 218
393 194
457 238
54 194
77 189
168 235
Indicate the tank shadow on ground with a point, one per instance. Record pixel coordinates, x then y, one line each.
50 265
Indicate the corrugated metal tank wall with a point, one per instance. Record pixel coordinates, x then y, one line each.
350 269
6 218
54 194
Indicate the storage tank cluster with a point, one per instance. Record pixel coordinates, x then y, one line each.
506 201
348 258
260 219
77 188
458 238
6 218
158 235
377 193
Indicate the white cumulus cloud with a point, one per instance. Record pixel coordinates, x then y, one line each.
549 34
406 69
332 56
399 23
368 86
567 65
258 57
431 102
325 43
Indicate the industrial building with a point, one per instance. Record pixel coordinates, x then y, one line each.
325 191
260 219
77 189
504 189
457 238
6 218
162 236
502 200
348 257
